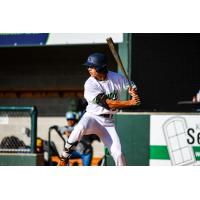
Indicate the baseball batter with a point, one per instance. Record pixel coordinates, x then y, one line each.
102 91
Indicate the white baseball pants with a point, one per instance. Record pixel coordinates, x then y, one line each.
105 129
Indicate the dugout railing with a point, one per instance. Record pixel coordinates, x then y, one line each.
53 153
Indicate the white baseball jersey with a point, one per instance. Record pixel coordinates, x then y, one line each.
112 87
93 122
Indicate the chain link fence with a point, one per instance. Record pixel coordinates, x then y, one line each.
18 129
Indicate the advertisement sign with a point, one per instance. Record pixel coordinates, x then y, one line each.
39 39
175 140
23 39
83 38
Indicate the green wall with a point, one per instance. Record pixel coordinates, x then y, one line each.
133 130
8 159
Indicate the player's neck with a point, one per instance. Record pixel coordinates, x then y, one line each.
101 77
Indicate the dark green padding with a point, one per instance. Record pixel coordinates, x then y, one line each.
21 159
133 130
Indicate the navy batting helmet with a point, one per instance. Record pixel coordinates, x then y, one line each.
97 60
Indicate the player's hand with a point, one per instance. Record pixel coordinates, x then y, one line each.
135 98
135 101
132 91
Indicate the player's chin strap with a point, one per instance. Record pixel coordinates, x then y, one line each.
67 152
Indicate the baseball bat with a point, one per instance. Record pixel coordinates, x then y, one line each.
119 62
117 58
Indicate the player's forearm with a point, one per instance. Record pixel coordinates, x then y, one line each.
121 104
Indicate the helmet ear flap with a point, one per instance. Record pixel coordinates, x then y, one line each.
102 70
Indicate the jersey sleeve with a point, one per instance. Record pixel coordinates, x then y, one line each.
64 129
125 83
91 91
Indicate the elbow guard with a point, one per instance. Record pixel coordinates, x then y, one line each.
100 99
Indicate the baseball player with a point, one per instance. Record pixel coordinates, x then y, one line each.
102 91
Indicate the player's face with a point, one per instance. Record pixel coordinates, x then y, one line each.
93 72
70 122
